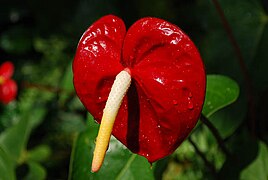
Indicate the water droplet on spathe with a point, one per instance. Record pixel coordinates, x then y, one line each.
143 136
190 105
190 95
175 102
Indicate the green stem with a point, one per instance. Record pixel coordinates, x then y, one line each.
216 134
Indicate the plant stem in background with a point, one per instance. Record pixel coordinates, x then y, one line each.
243 67
216 134
46 88
203 157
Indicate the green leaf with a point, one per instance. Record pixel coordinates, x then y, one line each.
71 122
39 153
226 121
244 149
258 169
67 81
6 167
221 91
67 84
80 158
36 172
119 162
13 140
35 116
135 166
30 108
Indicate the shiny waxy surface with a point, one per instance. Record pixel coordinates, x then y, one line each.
167 92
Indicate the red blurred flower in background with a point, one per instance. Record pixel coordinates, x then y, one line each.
8 87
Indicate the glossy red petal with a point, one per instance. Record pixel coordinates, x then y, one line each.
97 62
8 91
7 70
170 82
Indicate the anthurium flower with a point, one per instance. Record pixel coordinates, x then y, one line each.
8 87
146 85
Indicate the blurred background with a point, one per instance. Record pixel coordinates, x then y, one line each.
44 123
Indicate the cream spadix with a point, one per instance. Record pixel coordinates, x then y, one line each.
118 91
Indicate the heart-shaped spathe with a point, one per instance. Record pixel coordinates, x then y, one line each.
167 92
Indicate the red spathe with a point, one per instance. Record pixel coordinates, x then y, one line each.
167 92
